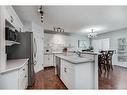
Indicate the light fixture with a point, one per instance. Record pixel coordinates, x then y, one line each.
92 34
58 29
41 13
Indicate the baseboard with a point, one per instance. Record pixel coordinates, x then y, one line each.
120 66
49 67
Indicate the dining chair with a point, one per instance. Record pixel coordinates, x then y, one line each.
102 61
109 59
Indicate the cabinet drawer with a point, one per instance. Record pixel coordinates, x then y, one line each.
68 64
23 70
67 74
48 60
24 82
23 76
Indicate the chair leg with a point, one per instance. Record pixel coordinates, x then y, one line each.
100 68
105 68
111 65
108 66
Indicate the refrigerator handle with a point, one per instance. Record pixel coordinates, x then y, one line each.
35 62
35 48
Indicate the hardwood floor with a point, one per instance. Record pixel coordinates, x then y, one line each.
46 79
116 79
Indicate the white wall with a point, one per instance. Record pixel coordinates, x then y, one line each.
65 40
27 26
101 44
114 36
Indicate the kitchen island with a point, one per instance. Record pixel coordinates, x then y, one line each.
78 72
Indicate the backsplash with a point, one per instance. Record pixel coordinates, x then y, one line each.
57 42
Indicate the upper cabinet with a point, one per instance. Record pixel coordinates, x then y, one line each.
12 17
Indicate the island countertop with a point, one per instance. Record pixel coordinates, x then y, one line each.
75 58
14 64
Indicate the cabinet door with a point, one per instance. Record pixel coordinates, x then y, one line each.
48 60
63 75
6 14
51 60
13 18
67 74
45 60
10 15
23 77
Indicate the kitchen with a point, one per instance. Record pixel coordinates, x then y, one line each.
64 51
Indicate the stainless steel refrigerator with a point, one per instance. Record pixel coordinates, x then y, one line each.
26 49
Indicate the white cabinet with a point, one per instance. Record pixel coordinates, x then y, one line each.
77 75
48 60
12 17
9 14
23 77
67 74
15 79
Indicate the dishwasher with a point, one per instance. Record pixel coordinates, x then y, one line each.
58 63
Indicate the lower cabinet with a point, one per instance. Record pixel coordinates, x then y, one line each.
15 79
48 60
77 75
67 74
23 77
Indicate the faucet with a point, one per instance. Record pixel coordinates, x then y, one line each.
78 53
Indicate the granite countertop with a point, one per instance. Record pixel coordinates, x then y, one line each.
14 64
75 59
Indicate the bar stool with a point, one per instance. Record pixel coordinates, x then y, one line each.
102 61
109 59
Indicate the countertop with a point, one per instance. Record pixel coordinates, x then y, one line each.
57 52
93 53
75 59
14 64
54 52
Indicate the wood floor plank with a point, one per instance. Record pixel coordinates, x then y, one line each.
116 79
46 79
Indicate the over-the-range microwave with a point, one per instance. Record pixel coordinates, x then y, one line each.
10 34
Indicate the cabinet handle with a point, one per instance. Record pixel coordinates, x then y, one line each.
12 19
65 69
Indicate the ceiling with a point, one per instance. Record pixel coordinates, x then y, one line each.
28 14
77 19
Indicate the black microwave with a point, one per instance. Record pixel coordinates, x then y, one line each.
10 34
